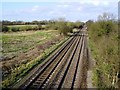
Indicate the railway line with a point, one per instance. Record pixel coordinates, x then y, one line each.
63 69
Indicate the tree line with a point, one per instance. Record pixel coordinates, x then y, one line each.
60 24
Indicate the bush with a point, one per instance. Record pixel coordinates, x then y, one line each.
108 26
39 27
52 26
63 28
21 28
104 48
28 28
34 28
71 26
14 29
5 29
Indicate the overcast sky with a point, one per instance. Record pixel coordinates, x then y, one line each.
83 10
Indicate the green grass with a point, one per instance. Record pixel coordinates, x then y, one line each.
24 42
15 43
23 69
19 48
20 25
104 48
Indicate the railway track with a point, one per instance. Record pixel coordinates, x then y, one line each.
61 70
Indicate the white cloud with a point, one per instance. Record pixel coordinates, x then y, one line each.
96 2
51 12
100 2
62 15
35 8
79 8
57 0
63 5
106 3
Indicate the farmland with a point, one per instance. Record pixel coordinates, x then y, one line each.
22 50
15 43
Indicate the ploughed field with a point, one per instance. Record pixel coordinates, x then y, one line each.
21 51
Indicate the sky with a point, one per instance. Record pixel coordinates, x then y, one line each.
72 10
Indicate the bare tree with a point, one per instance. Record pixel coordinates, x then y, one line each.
106 17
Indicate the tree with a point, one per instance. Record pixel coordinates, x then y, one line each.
106 21
63 26
106 17
35 22
77 24
71 26
89 22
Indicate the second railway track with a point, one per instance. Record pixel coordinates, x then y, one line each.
62 69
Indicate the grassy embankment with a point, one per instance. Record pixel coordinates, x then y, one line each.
24 50
103 41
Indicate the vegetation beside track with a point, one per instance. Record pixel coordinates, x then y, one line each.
103 41
23 69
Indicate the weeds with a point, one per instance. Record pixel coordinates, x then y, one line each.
24 69
104 48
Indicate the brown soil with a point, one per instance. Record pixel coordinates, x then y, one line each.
23 58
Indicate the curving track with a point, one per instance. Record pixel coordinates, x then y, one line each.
61 70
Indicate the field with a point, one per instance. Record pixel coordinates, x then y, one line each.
22 50
16 43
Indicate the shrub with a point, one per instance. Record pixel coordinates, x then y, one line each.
39 27
34 28
28 28
5 29
52 26
108 26
22 29
63 28
71 26
103 40
14 29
